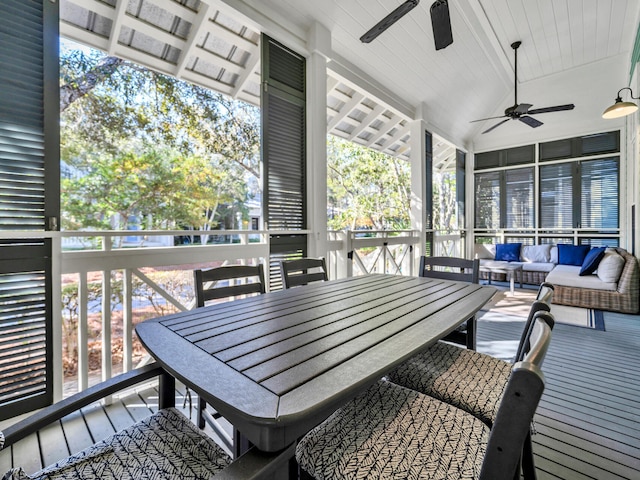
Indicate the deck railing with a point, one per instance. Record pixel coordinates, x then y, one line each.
112 280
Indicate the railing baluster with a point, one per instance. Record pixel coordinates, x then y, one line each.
106 325
83 336
127 320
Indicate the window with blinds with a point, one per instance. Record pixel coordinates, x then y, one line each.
519 198
487 201
580 195
599 196
556 196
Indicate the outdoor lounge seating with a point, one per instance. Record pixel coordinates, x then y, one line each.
614 283
165 445
390 431
453 268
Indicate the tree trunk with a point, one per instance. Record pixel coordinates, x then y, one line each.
71 92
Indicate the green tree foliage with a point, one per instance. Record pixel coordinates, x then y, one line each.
138 143
366 189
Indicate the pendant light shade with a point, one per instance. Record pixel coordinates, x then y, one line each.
620 108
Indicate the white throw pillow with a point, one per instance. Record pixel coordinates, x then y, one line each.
553 256
536 253
485 251
610 267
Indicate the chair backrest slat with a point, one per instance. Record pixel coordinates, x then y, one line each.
518 406
203 278
542 303
297 272
450 268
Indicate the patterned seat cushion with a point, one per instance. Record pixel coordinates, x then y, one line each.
464 378
392 432
165 445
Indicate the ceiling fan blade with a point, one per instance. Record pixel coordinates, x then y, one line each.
532 122
389 20
488 118
523 108
496 125
441 23
557 108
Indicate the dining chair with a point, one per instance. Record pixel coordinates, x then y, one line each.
228 281
470 380
390 431
208 282
302 271
460 269
164 445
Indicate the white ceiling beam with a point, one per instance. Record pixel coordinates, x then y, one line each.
116 25
346 110
197 29
84 36
175 8
368 120
252 65
401 132
153 32
219 31
383 130
100 8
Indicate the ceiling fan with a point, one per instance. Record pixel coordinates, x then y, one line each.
520 111
440 21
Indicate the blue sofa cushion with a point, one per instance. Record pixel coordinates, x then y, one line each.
572 254
592 260
508 252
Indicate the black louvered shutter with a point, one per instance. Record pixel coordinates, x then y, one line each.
29 200
284 151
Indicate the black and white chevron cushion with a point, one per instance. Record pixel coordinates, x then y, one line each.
391 432
165 445
464 378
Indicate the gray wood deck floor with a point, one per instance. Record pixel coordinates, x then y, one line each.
588 422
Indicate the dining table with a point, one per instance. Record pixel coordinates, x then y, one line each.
277 364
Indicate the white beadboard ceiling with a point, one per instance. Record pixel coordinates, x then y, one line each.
573 51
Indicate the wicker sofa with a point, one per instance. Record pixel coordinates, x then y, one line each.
589 291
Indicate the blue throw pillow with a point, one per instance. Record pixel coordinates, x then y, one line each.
508 252
592 260
572 254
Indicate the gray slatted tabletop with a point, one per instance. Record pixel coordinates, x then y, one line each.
277 364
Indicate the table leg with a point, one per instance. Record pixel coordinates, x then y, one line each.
512 282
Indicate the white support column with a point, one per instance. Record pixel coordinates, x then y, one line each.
470 204
320 48
418 179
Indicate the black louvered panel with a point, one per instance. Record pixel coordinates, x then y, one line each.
284 247
22 116
29 134
601 143
555 150
22 83
285 67
24 326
